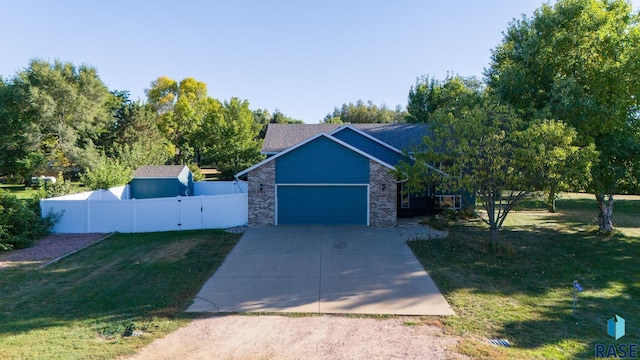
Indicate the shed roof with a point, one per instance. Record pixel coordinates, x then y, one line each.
279 137
158 171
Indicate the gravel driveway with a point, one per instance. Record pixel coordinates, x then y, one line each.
315 337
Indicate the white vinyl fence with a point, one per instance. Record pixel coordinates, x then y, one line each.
215 205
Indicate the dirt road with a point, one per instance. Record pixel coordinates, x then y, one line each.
316 337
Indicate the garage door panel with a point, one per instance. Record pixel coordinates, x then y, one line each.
331 205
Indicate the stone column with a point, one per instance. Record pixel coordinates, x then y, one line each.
383 208
262 202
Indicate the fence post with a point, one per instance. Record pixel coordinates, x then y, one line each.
134 215
88 213
201 212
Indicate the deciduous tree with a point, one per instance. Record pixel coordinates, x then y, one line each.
181 108
63 108
485 147
430 94
361 112
578 61
231 137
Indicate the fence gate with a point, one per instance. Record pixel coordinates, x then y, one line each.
190 213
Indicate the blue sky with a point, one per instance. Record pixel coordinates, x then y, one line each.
302 57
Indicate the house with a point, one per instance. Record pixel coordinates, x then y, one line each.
337 174
161 181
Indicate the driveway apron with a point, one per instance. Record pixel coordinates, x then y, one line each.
321 269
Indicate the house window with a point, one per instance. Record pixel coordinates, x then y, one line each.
448 201
404 197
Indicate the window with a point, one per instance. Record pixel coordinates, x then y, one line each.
448 202
404 197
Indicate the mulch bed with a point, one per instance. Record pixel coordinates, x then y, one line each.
47 249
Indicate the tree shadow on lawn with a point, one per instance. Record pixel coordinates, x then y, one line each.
112 283
524 290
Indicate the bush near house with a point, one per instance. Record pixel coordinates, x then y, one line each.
21 222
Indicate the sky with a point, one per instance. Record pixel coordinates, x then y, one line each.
301 57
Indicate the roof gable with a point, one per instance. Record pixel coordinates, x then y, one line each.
280 137
368 144
304 142
159 171
349 127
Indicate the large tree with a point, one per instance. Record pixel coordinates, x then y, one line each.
181 108
133 137
19 146
64 109
482 145
429 94
230 137
579 61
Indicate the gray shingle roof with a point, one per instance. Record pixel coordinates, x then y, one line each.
401 136
159 171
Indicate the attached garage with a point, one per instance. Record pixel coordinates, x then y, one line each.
318 204
321 181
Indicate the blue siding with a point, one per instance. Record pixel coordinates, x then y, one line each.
147 188
369 146
322 161
330 205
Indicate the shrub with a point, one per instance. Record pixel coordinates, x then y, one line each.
21 222
195 170
110 173
466 213
59 188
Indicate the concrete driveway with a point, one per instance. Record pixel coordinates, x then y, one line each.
322 269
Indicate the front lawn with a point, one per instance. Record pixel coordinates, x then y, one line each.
109 299
524 291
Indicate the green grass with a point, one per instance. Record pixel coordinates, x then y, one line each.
19 191
85 306
524 291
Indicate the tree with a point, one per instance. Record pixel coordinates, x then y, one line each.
64 107
561 164
364 113
484 147
430 94
134 137
19 146
109 173
578 62
263 118
181 108
231 137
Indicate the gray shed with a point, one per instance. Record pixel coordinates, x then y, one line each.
161 181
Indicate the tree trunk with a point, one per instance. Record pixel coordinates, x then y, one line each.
551 201
605 213
493 237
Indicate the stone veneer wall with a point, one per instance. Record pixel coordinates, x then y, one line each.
262 204
383 207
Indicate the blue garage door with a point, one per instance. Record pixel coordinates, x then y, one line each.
327 205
